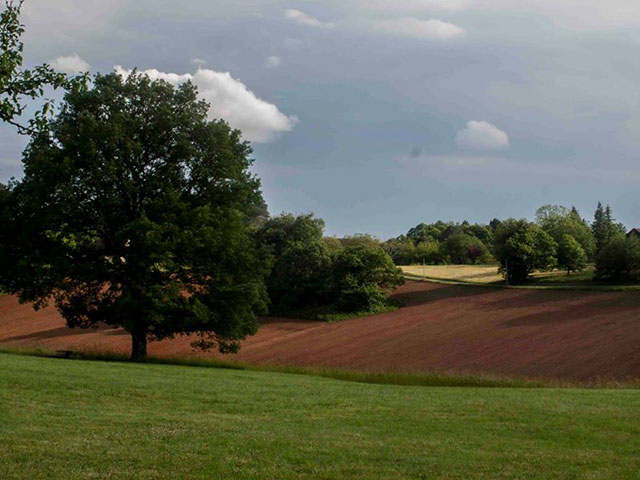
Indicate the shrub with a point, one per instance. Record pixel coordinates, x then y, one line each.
619 259
363 276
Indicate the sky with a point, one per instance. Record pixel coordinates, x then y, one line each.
379 115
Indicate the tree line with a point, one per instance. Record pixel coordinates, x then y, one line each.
559 237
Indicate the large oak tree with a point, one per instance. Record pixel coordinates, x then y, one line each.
135 210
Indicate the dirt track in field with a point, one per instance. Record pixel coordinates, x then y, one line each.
533 333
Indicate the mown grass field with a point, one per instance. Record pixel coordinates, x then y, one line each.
461 273
488 275
80 419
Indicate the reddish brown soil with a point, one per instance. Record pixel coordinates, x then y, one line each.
533 333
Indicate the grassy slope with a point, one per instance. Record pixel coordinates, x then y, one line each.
78 419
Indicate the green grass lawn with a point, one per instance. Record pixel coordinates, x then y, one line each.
73 419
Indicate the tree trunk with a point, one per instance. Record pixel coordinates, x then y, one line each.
139 344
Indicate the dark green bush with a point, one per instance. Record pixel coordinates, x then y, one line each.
619 259
363 276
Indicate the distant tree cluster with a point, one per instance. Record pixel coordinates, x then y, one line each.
559 237
351 275
443 243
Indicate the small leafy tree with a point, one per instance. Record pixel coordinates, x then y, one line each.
427 252
134 211
18 84
571 255
363 276
521 248
619 259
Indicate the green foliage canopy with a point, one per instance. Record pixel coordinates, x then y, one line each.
363 276
522 247
302 261
353 274
461 248
559 221
427 252
461 243
402 250
288 229
571 255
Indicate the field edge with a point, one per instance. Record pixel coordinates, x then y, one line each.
457 379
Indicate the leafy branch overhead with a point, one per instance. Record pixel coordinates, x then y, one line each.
17 84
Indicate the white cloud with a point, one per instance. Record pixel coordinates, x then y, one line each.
230 99
70 64
480 135
304 19
198 61
411 27
272 61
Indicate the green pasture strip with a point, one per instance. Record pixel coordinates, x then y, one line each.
537 285
62 419
401 378
395 377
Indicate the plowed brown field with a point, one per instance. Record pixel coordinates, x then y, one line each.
533 333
